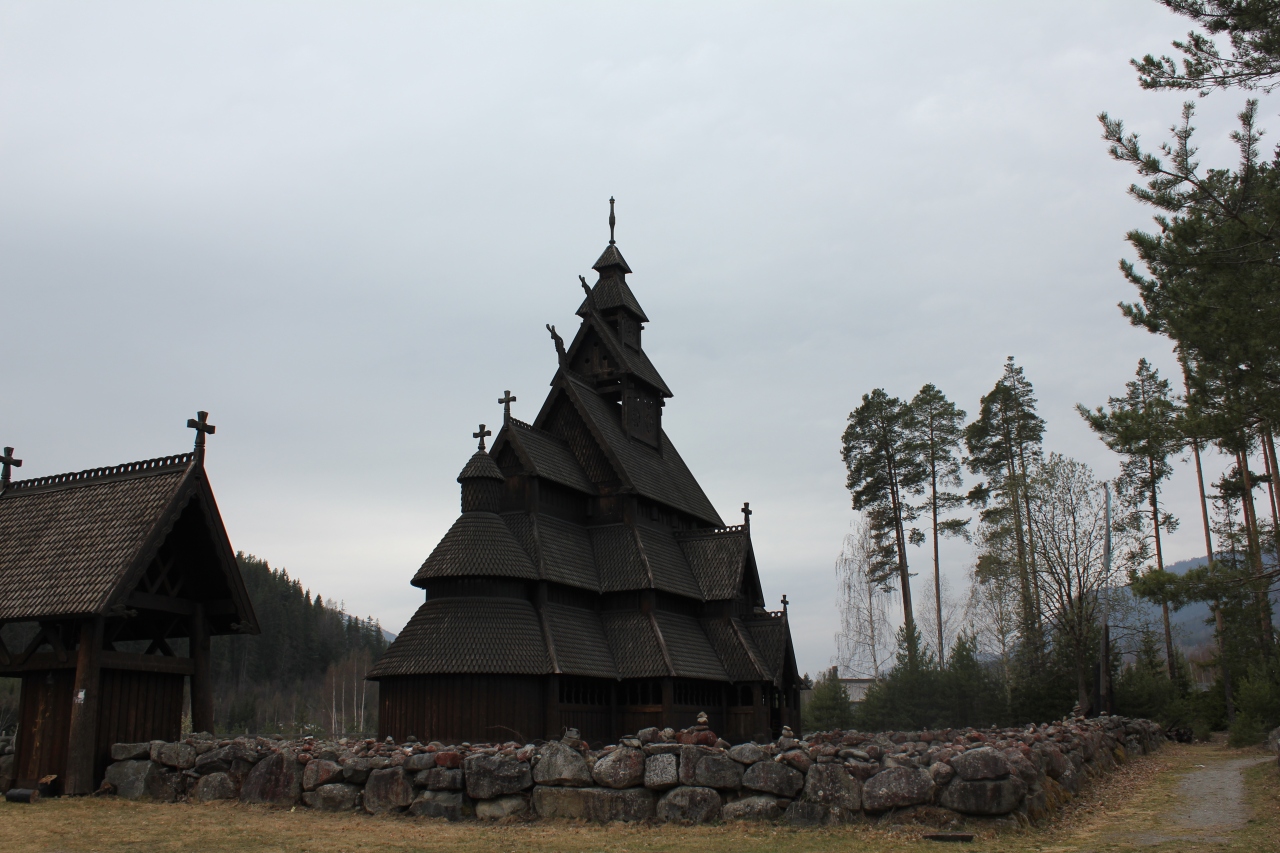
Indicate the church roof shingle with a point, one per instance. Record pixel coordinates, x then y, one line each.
477 545
468 635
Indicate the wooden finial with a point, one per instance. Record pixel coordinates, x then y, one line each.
480 434
6 462
746 514
506 400
200 423
784 603
613 220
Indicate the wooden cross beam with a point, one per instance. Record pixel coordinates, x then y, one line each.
506 400
200 423
6 463
481 434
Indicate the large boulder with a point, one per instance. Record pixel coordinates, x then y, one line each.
276 780
831 785
984 796
320 772
690 755
558 802
451 805
747 753
661 772
688 804
803 813
130 751
897 787
595 804
559 764
356 770
419 762
720 772
334 797
754 807
771 777
180 756
622 768
797 758
984 763
443 779
512 805
143 779
215 786
630 805
489 776
212 761
388 790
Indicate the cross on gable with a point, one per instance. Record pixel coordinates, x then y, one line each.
506 400
481 435
200 423
746 513
784 602
6 462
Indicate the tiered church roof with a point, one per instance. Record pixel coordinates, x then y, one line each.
586 546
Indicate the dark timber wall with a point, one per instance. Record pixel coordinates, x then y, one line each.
136 707
461 708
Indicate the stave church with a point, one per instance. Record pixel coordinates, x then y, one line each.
588 582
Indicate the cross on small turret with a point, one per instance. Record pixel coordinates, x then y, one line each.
480 434
200 423
6 462
506 400
746 513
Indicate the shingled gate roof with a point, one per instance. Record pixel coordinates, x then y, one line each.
74 544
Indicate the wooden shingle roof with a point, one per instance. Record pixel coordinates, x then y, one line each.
478 544
461 635
75 544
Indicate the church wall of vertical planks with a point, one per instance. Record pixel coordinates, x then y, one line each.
589 583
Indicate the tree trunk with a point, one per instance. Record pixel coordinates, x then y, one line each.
1217 605
1251 534
1164 605
937 570
1268 447
908 615
1222 663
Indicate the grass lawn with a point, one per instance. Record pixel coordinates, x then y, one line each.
1133 809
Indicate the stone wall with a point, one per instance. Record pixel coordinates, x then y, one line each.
937 777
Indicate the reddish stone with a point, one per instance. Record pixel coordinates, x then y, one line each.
304 757
706 738
450 760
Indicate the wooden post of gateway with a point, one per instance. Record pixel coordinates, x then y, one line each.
201 677
84 709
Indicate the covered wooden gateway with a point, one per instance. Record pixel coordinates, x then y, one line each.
105 575
589 582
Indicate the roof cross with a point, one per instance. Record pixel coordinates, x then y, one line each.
613 220
6 462
746 513
200 423
784 603
506 400
481 435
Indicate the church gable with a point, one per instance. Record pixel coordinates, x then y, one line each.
561 418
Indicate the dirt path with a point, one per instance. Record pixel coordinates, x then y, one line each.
1212 802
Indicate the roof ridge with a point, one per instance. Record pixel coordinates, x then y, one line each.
156 465
710 531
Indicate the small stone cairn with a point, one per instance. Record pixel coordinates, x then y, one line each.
937 778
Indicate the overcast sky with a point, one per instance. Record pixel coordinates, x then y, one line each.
340 228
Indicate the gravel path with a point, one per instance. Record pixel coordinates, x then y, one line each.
1211 804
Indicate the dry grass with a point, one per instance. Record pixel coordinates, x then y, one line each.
1120 814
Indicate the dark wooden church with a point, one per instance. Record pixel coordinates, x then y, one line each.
104 576
589 582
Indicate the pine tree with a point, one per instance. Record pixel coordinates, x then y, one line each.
1143 427
885 469
939 427
1003 443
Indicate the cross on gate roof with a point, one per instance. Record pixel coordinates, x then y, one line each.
200 423
7 461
